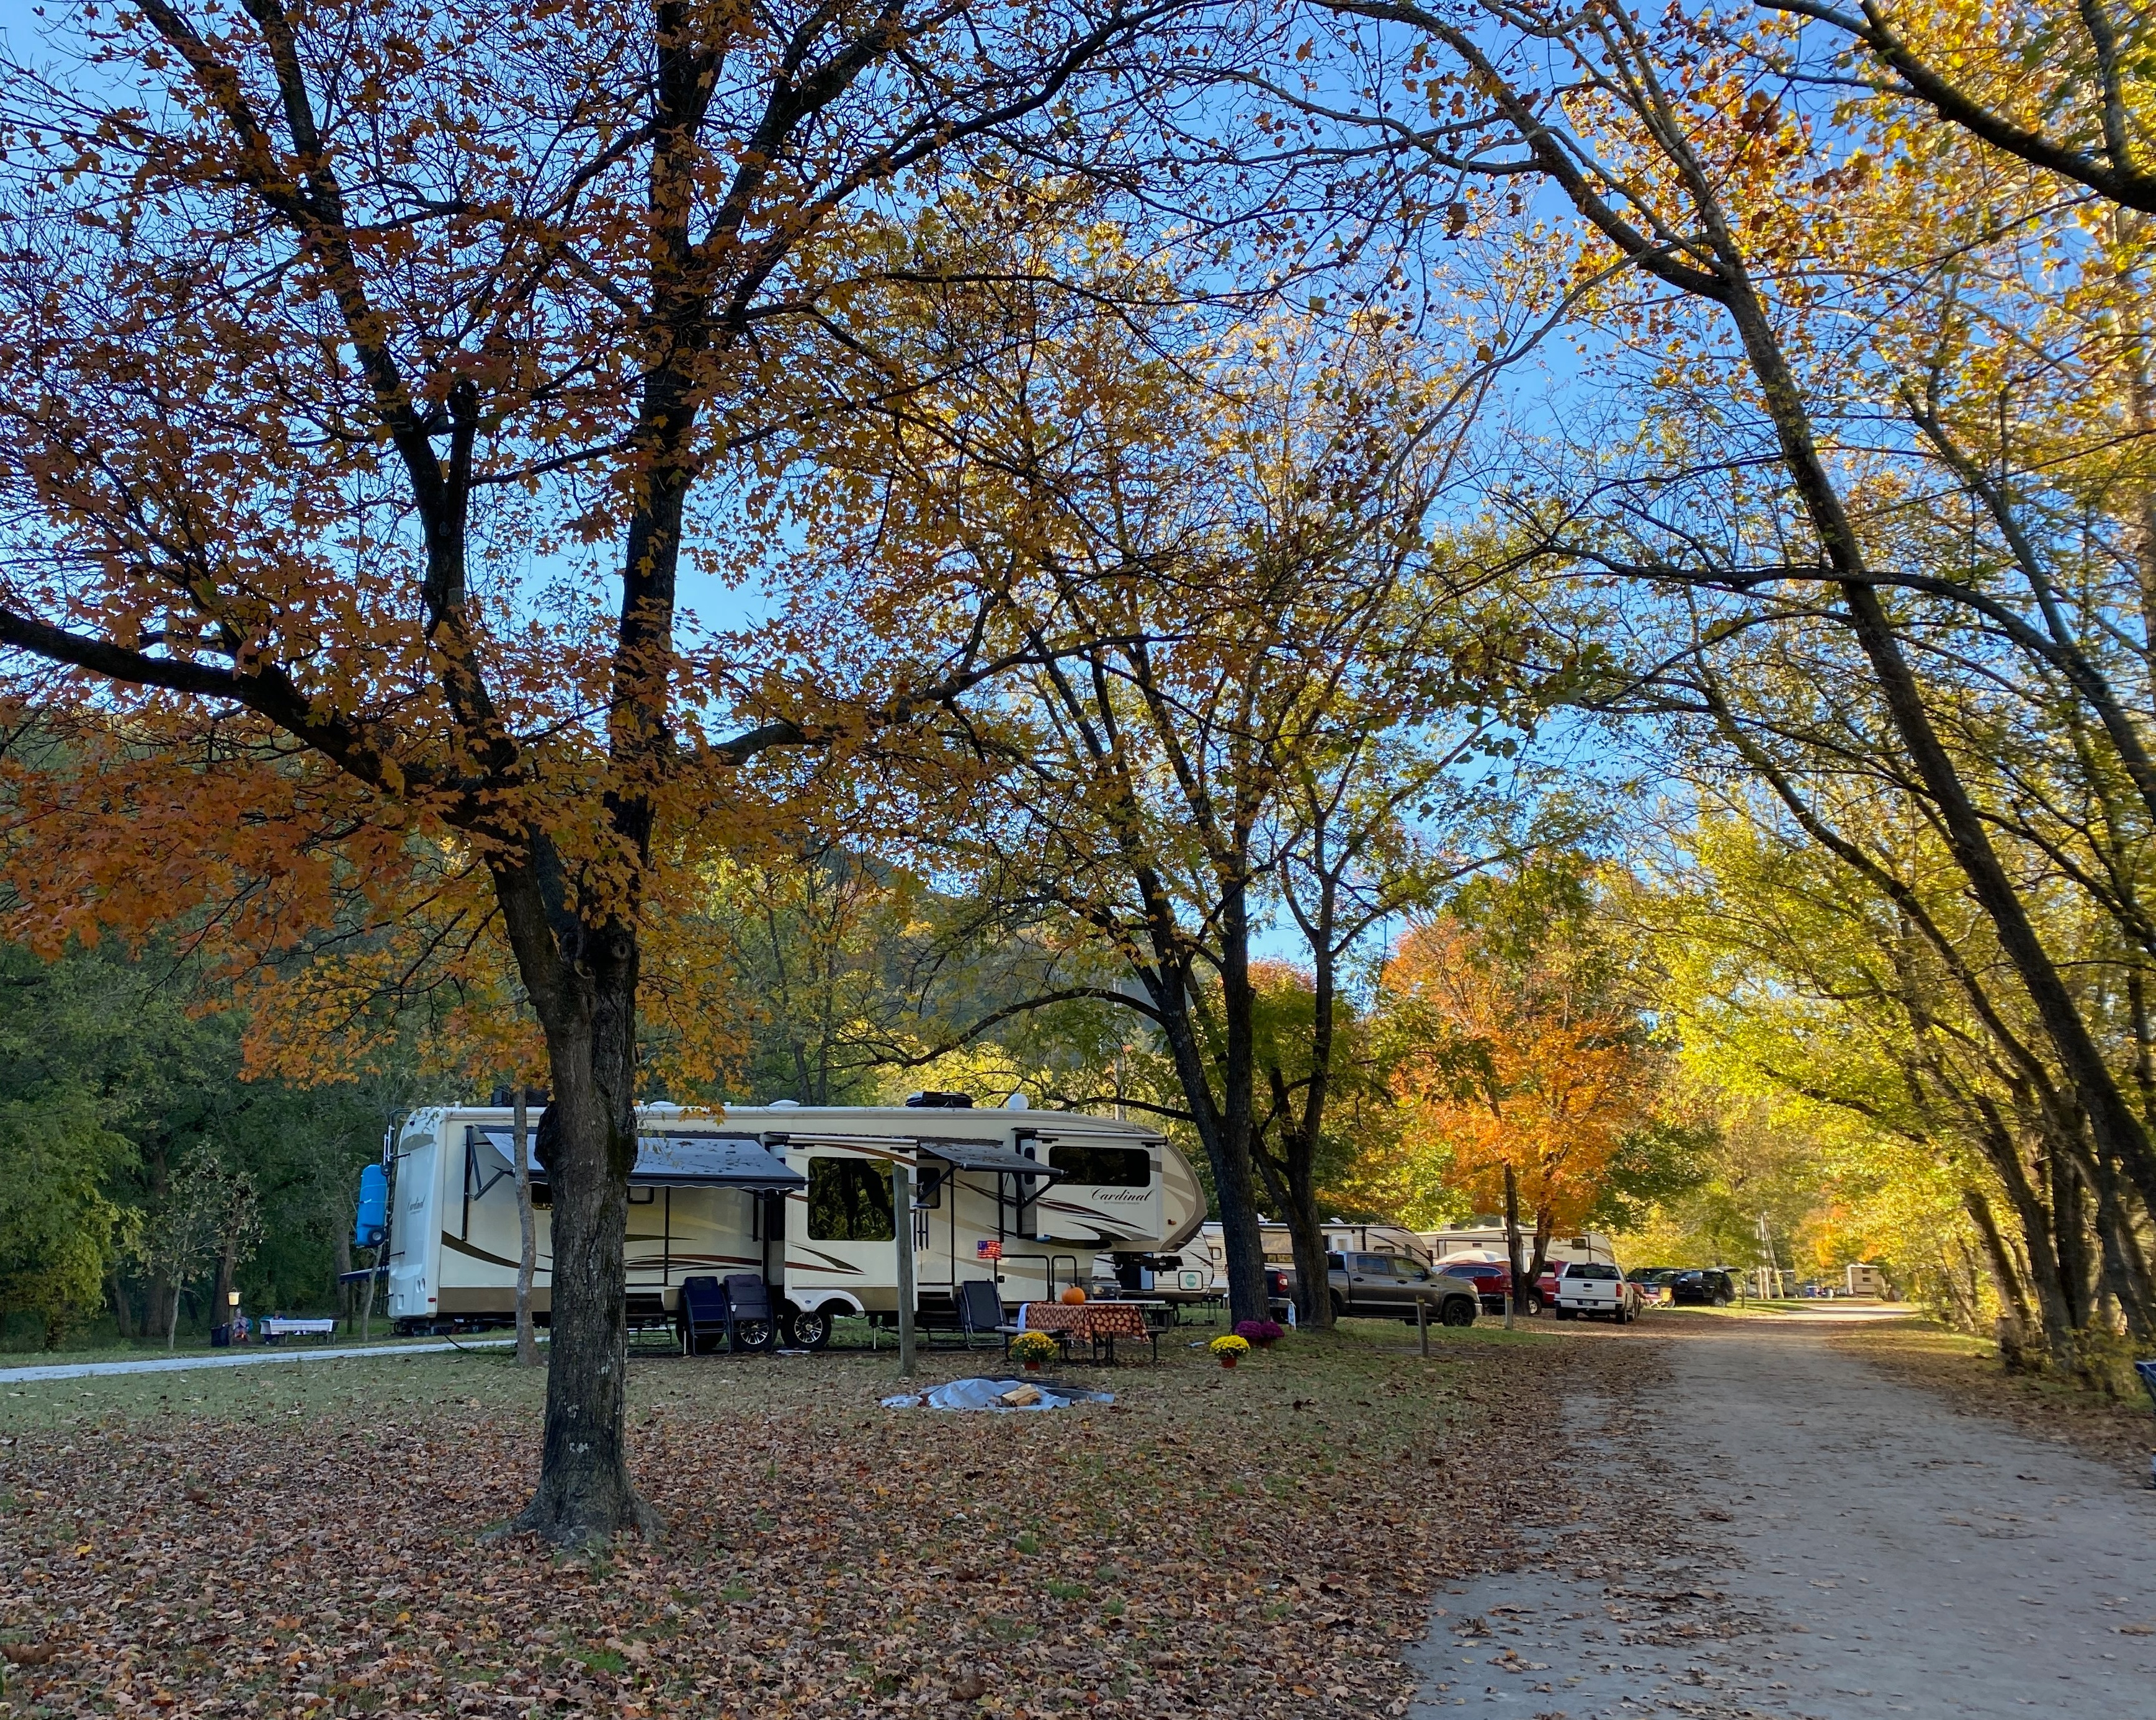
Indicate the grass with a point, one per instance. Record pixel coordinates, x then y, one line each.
823 1553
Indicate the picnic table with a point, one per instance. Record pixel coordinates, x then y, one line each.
276 1325
1100 1323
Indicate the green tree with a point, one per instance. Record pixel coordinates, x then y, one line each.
59 1232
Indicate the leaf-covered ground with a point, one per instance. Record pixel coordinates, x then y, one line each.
307 1542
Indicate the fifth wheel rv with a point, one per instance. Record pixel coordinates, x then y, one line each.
803 1198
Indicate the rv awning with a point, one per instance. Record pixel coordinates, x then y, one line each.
711 1162
695 1162
987 1155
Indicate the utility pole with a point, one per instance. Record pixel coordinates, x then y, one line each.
1773 1267
901 1209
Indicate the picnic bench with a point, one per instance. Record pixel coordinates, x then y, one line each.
276 1326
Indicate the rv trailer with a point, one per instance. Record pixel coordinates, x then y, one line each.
1483 1241
803 1198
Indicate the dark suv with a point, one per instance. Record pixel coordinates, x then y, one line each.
1701 1287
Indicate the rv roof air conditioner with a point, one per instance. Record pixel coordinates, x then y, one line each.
932 1101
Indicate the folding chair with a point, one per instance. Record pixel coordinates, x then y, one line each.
750 1324
981 1313
702 1314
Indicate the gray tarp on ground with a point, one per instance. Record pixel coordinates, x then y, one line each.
982 1394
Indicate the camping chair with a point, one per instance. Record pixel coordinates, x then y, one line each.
750 1324
981 1312
702 1313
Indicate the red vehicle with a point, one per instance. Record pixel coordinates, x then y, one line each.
1490 1278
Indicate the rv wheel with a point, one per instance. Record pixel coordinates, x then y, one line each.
755 1336
810 1331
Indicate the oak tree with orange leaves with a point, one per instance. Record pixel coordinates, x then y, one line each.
359 364
1516 1052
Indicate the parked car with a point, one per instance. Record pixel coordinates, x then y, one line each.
1490 1279
1701 1287
1591 1289
1386 1286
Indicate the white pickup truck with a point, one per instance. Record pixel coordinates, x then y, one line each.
1589 1287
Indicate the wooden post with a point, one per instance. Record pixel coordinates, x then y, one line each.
902 1209
1514 1267
527 1255
1422 1321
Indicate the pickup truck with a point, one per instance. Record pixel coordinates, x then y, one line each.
1592 1287
1386 1286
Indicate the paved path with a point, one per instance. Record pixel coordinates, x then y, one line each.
239 1359
1878 1553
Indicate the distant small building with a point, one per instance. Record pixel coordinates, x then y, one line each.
1865 1280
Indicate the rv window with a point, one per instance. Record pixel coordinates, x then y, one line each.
1103 1167
642 1197
849 1201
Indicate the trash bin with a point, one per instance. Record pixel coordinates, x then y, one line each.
220 1337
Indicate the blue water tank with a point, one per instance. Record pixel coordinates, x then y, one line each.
370 1229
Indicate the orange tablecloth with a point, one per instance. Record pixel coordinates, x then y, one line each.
1091 1321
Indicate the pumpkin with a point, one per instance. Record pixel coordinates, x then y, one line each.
1074 1296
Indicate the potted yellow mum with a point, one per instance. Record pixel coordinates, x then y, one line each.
1229 1348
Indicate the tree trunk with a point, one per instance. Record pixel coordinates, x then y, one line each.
2125 1272
1545 1228
587 1146
220 1300
2016 1319
1291 1181
1227 1143
342 1261
527 1259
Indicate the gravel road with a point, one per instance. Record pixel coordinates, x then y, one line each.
1857 1549
236 1358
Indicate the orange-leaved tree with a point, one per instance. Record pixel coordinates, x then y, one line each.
1518 1053
359 360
